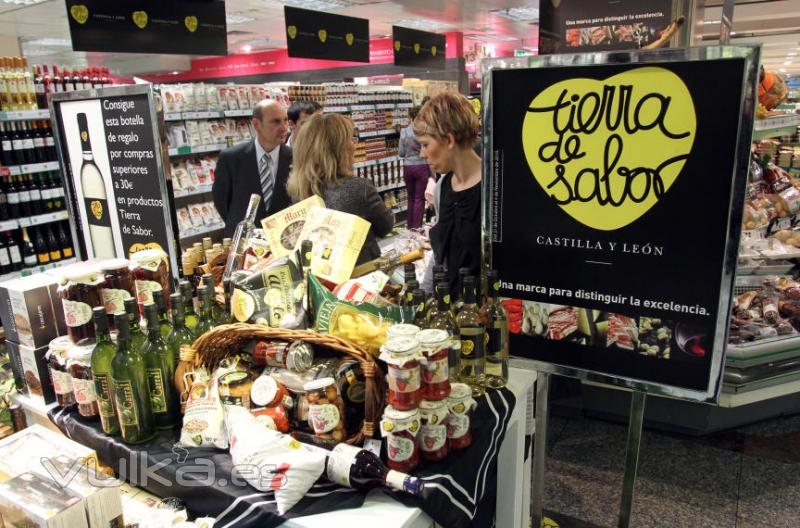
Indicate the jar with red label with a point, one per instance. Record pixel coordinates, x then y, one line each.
433 432
435 348
401 355
150 273
400 429
266 391
79 365
57 356
325 409
275 417
118 287
80 292
459 422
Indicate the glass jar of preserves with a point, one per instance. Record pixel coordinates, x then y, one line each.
325 409
435 349
276 417
268 392
118 287
459 422
57 356
79 293
402 330
150 271
400 429
79 365
234 388
433 441
401 355
297 355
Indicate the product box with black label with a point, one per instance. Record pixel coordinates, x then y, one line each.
31 365
31 310
32 500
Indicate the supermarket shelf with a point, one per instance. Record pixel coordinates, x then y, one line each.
24 115
775 126
36 269
400 209
366 108
201 231
377 133
33 168
9 225
391 186
369 163
200 189
202 149
43 219
213 114
767 393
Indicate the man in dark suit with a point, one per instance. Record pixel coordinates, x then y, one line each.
259 167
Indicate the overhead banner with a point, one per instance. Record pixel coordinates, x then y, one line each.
112 163
320 35
418 48
179 27
614 199
592 25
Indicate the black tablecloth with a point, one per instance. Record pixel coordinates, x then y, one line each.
460 491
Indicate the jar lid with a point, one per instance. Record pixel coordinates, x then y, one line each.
114 264
81 354
61 344
264 390
432 336
317 384
148 254
460 399
395 421
238 377
460 391
434 412
401 346
432 405
402 330
83 276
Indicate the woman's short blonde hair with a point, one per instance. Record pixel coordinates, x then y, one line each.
322 154
448 113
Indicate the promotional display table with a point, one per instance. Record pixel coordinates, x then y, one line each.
461 491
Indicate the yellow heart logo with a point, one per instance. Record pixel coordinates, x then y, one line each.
606 151
292 31
397 45
140 19
84 135
97 209
416 48
349 39
191 23
323 35
433 51
467 347
80 13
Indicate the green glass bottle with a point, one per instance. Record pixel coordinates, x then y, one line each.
181 335
441 318
473 336
456 306
495 318
137 337
227 317
163 321
216 310
206 320
131 396
418 304
190 316
102 355
159 369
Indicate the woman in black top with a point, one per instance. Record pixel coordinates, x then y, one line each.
447 127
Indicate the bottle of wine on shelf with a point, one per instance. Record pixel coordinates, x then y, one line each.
12 194
65 241
57 191
24 197
38 142
36 195
39 244
95 197
29 259
16 144
4 213
495 318
52 244
159 370
386 264
359 468
5 258
473 334
27 144
7 155
129 383
102 355
14 252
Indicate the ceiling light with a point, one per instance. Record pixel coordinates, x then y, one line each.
232 18
247 48
317 5
425 25
492 38
174 73
256 44
518 14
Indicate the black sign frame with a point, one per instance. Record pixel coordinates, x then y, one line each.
421 49
156 168
326 36
538 353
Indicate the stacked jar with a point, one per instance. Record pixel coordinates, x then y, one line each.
118 287
57 356
80 292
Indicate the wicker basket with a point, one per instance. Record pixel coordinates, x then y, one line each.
224 340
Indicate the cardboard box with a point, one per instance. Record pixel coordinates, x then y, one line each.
283 229
24 450
31 364
30 309
32 500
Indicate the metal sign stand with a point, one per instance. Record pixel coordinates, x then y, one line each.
540 451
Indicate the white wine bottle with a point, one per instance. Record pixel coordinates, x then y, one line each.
95 198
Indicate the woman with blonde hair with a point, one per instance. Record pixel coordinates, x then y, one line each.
323 165
447 128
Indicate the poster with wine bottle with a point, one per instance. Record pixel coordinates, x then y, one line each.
112 161
614 202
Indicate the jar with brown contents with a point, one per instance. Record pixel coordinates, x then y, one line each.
57 363
80 369
79 293
118 287
325 409
150 272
